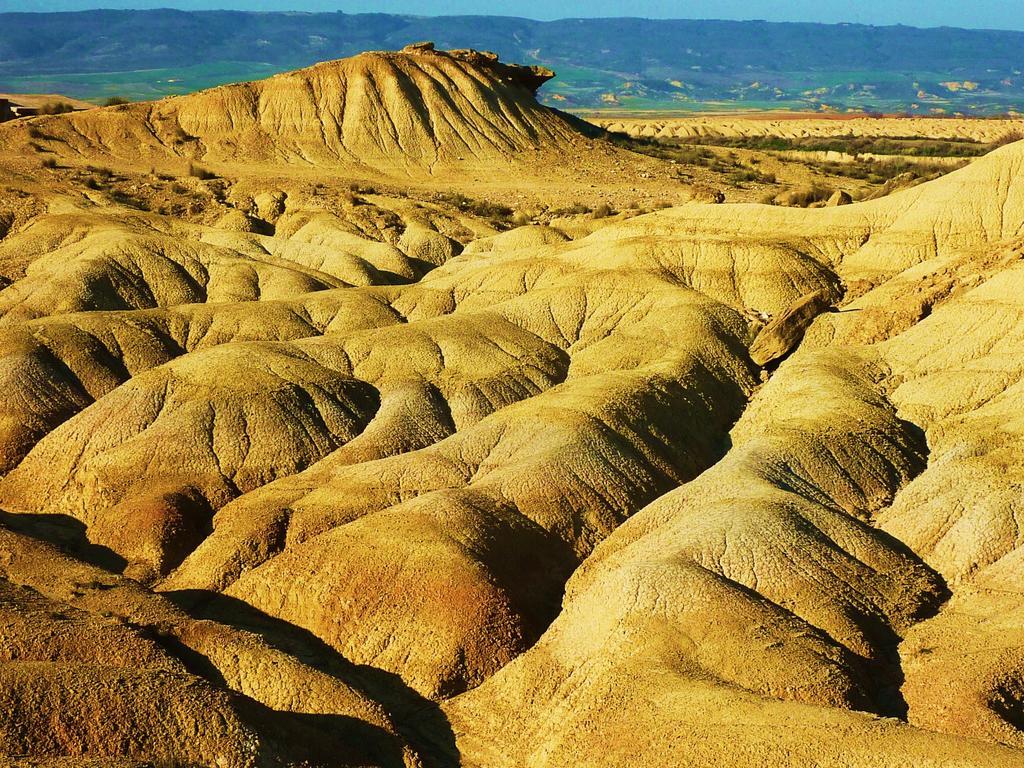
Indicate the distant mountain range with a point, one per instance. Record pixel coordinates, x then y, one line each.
610 64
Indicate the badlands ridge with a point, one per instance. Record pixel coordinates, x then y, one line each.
340 477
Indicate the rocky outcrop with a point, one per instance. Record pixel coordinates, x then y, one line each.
529 77
839 197
783 334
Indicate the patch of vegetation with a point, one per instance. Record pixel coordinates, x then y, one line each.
881 171
55 108
1009 138
181 136
902 161
123 198
198 172
576 209
753 175
909 146
49 162
806 196
115 101
683 153
664 149
485 209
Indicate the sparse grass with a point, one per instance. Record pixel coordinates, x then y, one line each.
904 161
881 171
912 146
130 201
1008 138
485 209
575 209
456 199
750 175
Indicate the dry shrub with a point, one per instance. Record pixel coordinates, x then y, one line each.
197 171
805 196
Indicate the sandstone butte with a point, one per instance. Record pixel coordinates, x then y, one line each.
331 478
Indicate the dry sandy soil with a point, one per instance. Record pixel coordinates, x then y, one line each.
306 460
801 125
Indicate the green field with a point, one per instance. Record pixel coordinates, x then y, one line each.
142 84
577 88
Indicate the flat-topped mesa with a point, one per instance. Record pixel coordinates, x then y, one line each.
417 111
529 77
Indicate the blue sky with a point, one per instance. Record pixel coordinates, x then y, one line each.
978 14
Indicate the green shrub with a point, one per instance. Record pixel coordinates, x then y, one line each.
55 108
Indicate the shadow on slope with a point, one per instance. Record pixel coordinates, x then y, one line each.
67 534
420 721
